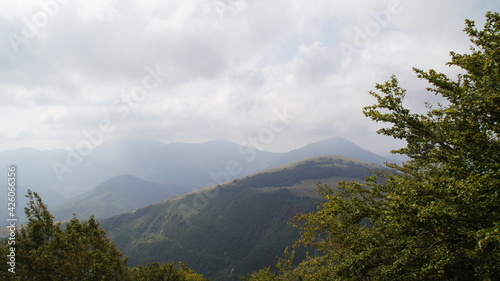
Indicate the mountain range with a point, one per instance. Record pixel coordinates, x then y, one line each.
67 178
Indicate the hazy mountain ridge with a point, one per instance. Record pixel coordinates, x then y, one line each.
179 164
117 195
331 146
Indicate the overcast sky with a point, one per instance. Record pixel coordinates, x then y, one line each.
281 72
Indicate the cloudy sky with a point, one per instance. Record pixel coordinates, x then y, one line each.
282 73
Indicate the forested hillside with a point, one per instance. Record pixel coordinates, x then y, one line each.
229 230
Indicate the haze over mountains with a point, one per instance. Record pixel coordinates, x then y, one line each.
116 195
172 169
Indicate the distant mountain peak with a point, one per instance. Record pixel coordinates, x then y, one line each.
123 178
219 141
128 141
331 146
333 141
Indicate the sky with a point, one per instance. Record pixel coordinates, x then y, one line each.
273 74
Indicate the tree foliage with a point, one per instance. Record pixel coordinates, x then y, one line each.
80 251
164 272
435 217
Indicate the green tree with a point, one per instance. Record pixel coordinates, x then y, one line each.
164 272
437 216
81 251
44 251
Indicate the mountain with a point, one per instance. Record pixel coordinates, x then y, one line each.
231 229
60 175
331 146
192 165
116 195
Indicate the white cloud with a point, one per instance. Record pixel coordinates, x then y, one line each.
231 64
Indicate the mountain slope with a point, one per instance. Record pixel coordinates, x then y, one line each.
117 195
231 229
